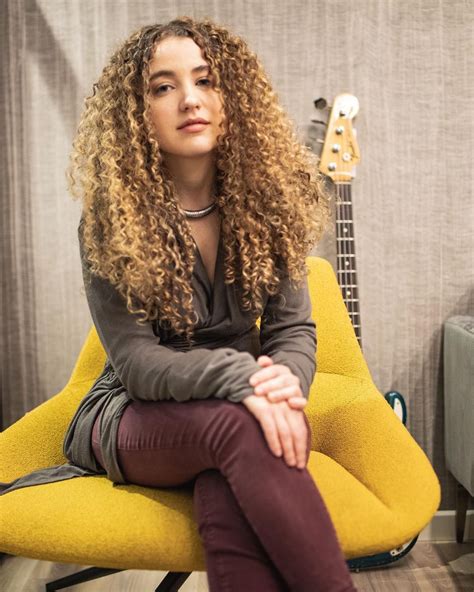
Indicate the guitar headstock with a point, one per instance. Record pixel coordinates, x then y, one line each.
340 152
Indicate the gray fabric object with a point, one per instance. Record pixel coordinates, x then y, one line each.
146 364
459 398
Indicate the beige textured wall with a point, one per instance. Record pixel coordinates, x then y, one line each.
410 64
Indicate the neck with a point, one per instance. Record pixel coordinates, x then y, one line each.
194 181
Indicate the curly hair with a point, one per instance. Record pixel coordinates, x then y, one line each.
273 202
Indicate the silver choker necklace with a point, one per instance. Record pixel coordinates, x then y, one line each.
200 213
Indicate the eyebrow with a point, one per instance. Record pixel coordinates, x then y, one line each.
158 73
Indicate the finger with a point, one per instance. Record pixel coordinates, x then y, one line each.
264 361
297 402
286 437
282 381
271 434
264 374
298 425
268 372
309 438
281 394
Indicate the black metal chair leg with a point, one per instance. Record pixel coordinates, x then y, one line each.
173 581
91 573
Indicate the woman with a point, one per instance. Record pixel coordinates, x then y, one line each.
199 207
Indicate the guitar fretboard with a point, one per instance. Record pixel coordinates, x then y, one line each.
346 257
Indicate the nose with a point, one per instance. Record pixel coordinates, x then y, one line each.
190 102
190 98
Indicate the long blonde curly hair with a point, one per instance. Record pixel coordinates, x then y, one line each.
273 202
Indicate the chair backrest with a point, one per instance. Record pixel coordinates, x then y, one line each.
338 351
91 359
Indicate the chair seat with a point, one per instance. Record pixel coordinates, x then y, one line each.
91 521
380 492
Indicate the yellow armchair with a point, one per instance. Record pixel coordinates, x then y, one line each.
378 485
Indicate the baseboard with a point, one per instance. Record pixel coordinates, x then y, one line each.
443 528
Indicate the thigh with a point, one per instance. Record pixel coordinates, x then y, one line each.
165 443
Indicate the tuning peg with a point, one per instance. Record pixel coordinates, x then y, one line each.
318 121
320 103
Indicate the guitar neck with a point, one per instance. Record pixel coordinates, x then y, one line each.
346 257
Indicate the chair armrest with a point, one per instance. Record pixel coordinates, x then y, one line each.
367 438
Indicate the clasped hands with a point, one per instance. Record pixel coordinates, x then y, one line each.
278 404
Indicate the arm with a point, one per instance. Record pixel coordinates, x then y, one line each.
151 371
288 332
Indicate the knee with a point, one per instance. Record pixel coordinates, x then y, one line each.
236 418
234 429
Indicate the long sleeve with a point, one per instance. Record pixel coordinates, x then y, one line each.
288 332
151 371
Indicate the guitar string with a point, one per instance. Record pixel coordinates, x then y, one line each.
341 251
345 243
347 239
348 272
348 245
348 213
348 269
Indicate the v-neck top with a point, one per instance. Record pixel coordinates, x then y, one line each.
200 268
147 362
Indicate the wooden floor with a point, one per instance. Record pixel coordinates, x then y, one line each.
428 567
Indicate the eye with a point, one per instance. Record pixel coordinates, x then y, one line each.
160 89
157 90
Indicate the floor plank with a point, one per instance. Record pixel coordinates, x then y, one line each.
429 567
441 567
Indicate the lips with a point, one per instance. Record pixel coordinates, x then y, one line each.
196 121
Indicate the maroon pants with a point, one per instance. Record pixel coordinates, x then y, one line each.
264 525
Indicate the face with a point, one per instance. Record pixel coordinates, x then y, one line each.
185 91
